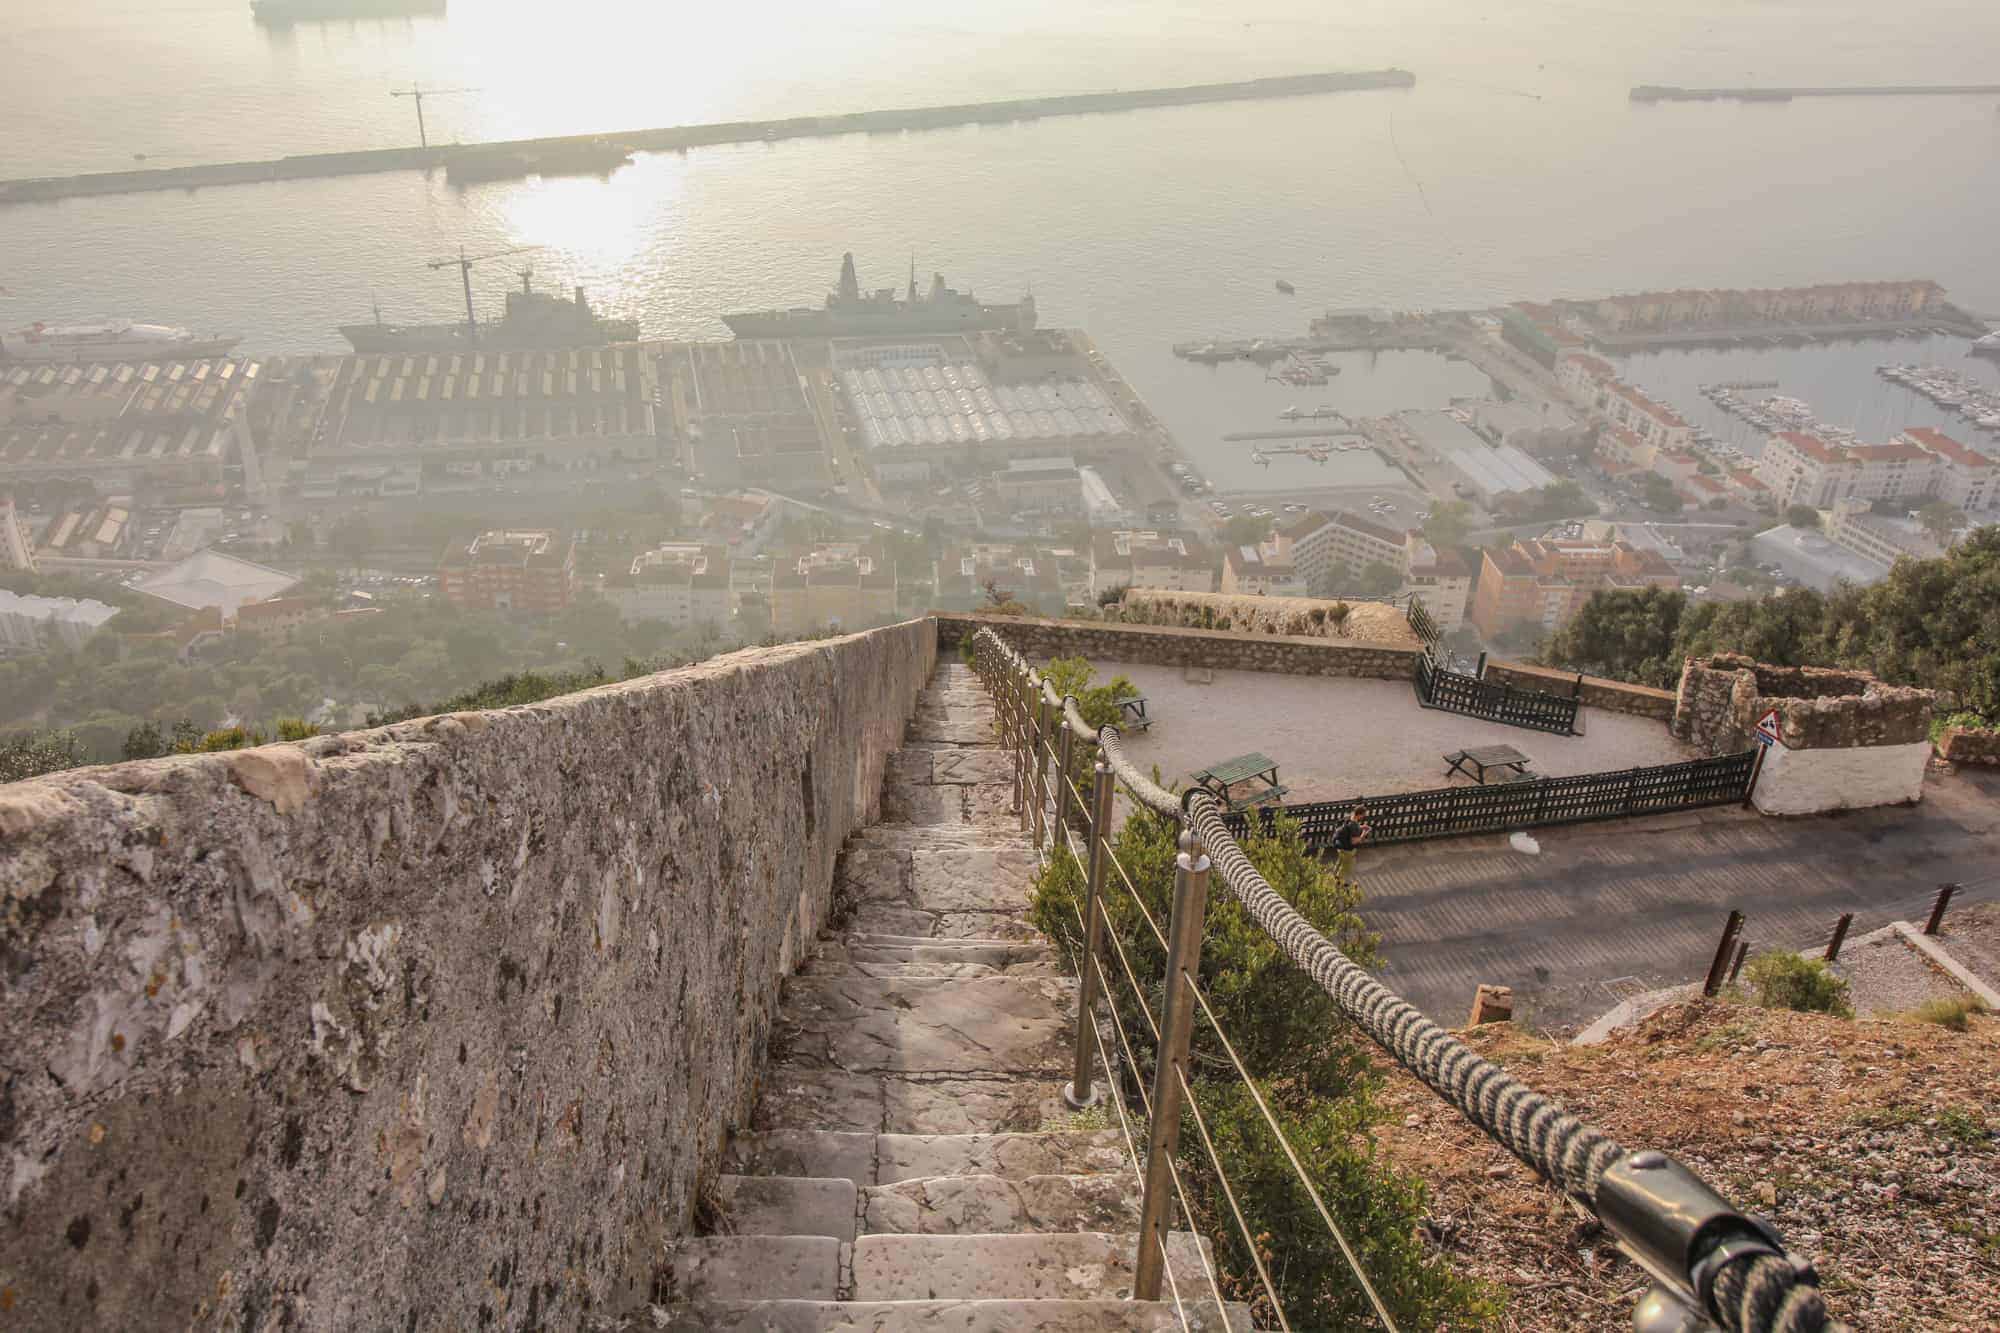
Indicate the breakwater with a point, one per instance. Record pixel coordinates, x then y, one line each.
1649 92
680 138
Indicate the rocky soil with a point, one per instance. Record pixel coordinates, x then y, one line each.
1874 1145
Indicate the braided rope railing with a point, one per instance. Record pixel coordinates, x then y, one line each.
1728 1267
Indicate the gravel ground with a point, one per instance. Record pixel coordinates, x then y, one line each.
1886 976
1972 936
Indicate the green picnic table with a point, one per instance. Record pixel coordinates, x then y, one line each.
1221 781
1134 709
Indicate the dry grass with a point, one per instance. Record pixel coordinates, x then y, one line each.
1871 1144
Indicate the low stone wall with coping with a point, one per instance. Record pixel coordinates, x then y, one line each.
1159 645
1963 745
1614 696
440 1025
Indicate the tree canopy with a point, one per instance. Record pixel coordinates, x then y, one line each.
1934 623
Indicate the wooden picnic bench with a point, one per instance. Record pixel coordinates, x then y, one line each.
1222 779
1503 762
1134 709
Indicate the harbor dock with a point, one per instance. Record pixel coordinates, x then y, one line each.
1649 92
681 138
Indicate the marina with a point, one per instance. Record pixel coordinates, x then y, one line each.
1963 394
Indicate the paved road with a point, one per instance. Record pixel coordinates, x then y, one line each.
1646 899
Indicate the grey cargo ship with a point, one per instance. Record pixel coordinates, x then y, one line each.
533 319
850 313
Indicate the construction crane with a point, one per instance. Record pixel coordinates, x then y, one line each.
423 136
465 263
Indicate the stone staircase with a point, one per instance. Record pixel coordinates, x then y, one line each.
912 1164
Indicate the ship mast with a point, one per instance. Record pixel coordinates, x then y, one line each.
465 263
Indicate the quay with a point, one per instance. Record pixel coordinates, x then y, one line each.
1344 427
681 138
1649 92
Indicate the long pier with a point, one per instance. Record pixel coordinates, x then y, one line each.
683 137
1649 92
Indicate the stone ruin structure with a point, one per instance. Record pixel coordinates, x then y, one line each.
1845 740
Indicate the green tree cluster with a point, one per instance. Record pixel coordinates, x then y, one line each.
1934 623
1313 1069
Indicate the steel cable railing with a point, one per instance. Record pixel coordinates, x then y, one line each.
1708 1260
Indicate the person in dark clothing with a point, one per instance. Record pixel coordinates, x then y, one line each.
1346 838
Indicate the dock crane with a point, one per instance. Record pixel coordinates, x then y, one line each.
465 263
423 136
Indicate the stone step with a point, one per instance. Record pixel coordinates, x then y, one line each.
901 1157
1101 1316
867 1158
956 767
835 1099
901 836
980 1025
1088 1265
949 878
789 1205
947 959
889 919
956 1205
754 1268
873 940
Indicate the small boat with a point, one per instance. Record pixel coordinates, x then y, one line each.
1286 287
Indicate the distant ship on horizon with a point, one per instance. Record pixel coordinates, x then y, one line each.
117 340
848 312
305 11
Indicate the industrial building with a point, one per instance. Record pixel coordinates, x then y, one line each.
1040 486
208 580
121 423
469 414
743 411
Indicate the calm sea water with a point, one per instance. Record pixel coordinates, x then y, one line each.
1515 168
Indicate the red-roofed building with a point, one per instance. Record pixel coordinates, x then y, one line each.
1804 469
1964 476
532 570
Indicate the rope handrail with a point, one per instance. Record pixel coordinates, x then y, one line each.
1719 1263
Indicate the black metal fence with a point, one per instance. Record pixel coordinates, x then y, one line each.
1440 687
1421 623
1447 812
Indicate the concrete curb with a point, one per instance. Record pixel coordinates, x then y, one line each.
1934 953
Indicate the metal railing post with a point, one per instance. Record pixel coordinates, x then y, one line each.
1038 769
1938 904
1839 936
1025 748
1176 1023
1065 758
1081 1092
1730 931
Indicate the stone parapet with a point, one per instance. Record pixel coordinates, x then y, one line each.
1963 745
1160 645
431 1026
1721 697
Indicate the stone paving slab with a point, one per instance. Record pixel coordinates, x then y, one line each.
962 880
1070 1266
944 1317
998 1025
926 804
788 1205
908 837
726 1268
954 731
1010 1156
820 1153
797 1098
986 766
978 1204
913 922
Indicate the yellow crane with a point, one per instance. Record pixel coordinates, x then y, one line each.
420 94
465 263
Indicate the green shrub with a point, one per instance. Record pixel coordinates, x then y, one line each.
1314 1069
1097 703
39 752
295 729
1958 722
1787 981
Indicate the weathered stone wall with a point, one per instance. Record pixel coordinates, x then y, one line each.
1162 645
1614 696
438 1026
1721 697
1959 745
1813 781
1295 617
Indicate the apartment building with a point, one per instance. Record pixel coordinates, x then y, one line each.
532 570
1851 523
1593 382
680 583
1545 582
1022 573
1329 549
1920 465
839 585
1252 571
1825 303
17 549
31 624
1150 558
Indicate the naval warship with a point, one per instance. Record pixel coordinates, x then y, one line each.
850 313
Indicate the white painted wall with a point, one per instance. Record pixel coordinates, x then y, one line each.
1805 782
